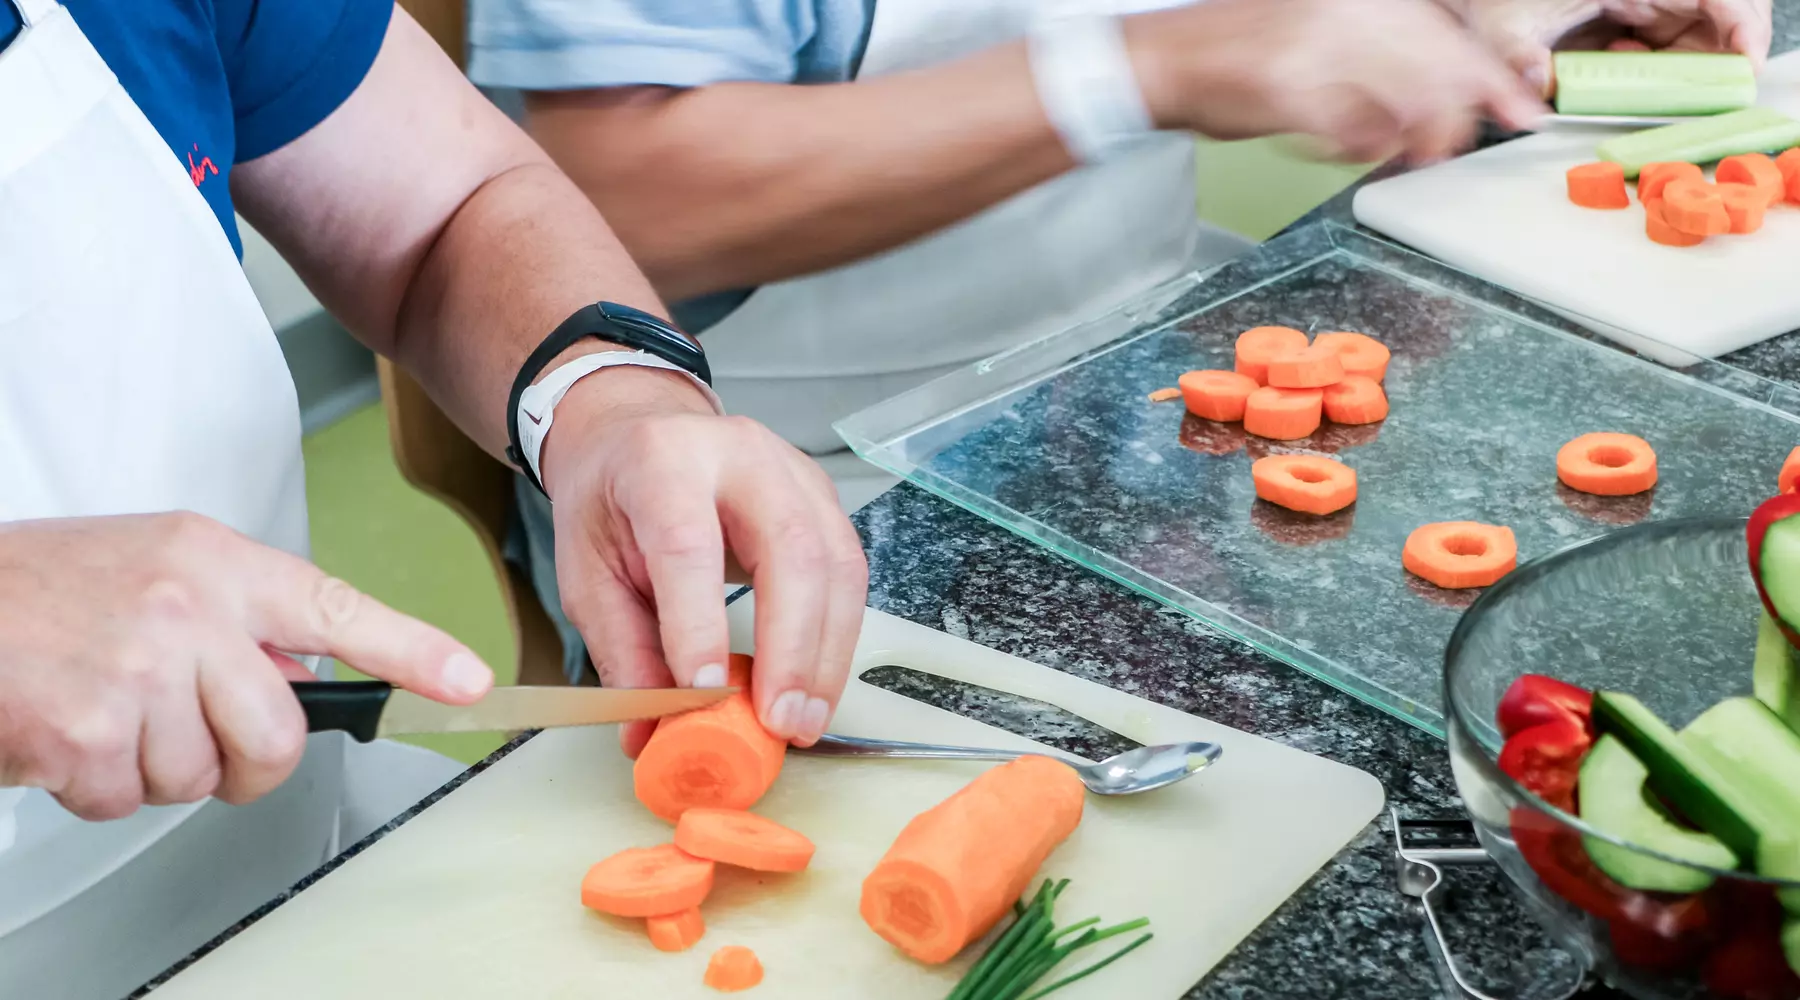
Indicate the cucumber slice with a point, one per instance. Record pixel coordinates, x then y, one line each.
1776 676
1614 799
1752 130
1754 750
1652 83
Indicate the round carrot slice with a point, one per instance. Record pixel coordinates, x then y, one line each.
1744 206
1656 176
1694 207
1457 555
676 932
1661 232
647 882
1758 170
1283 414
1607 465
1258 346
1310 484
1789 165
1790 473
1359 353
1598 185
743 839
733 968
1358 399
1307 368
1216 395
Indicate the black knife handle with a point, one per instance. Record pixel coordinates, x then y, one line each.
352 706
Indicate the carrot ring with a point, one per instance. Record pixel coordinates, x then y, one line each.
1258 346
1656 176
1661 232
1744 207
1310 484
1283 414
1216 395
1359 353
1789 165
1695 208
1755 169
1598 185
1307 368
1358 399
1607 465
1458 555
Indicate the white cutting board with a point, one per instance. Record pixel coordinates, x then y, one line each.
1503 215
477 897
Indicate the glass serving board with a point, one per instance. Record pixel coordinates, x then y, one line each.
1056 441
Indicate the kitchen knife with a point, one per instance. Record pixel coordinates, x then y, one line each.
371 710
1567 123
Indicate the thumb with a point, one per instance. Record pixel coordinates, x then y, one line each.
1529 59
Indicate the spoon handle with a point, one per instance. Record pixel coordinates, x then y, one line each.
857 746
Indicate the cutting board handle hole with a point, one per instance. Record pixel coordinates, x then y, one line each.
1026 717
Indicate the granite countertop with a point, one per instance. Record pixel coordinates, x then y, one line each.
1349 933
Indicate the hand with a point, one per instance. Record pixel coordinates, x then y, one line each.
138 659
1372 78
1523 32
655 497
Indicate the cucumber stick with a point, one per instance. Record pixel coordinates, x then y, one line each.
1614 800
1752 130
1652 83
1776 675
1790 942
1758 753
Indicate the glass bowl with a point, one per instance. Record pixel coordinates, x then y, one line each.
1665 611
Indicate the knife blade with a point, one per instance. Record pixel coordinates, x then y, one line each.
371 710
1565 123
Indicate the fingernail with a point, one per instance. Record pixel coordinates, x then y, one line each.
785 714
710 676
813 719
467 676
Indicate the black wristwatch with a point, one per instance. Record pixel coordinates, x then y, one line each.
615 324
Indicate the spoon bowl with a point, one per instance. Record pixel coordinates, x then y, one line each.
1128 773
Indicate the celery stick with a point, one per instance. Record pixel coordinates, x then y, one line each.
1752 130
1652 83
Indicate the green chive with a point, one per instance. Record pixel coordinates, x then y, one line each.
1090 970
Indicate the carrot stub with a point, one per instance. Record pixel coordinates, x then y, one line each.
1310 484
677 931
1358 399
1258 346
1457 555
1598 185
733 968
1216 395
1790 473
1165 395
1283 414
647 882
1694 207
1789 165
1359 353
958 867
719 756
1744 206
1607 465
1656 176
1756 170
742 839
1307 368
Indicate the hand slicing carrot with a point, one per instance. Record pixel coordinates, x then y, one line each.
647 882
1598 185
743 840
719 756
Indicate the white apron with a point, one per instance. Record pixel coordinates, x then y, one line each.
138 373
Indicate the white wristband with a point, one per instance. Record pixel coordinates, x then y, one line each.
1087 85
537 404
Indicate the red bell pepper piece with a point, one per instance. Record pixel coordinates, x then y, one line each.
1646 949
1750 966
1774 509
1546 759
1555 853
1534 699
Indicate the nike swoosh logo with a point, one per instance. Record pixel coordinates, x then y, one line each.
534 418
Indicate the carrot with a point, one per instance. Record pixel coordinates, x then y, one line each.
1216 395
1790 473
1307 368
1310 484
1358 399
1755 169
718 756
647 882
958 867
1598 185
1695 208
1789 165
1457 555
746 840
733 968
1660 231
1283 414
1258 346
1655 176
1607 465
1360 354
1165 395
677 931
1744 206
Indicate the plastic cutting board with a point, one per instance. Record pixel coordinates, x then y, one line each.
477 897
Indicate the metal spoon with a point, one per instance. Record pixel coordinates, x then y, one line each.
1126 773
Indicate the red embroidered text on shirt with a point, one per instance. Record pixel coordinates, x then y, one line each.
197 171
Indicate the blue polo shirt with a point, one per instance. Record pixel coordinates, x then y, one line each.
225 81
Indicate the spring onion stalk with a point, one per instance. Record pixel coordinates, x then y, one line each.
1033 946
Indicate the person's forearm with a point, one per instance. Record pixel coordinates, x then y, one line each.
737 184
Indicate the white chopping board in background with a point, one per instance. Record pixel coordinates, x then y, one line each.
477 897
1503 215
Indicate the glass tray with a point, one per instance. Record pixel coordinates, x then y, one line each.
1056 441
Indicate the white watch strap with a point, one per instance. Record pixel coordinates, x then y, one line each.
1087 85
537 404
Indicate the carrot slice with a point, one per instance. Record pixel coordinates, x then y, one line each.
1356 400
1165 395
733 968
1758 170
1789 478
677 931
1695 208
1359 353
1660 231
1744 206
1607 465
1656 176
958 867
1789 165
718 756
1307 368
746 840
1457 555
1598 185
647 882
1283 414
1310 484
1258 346
1216 395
